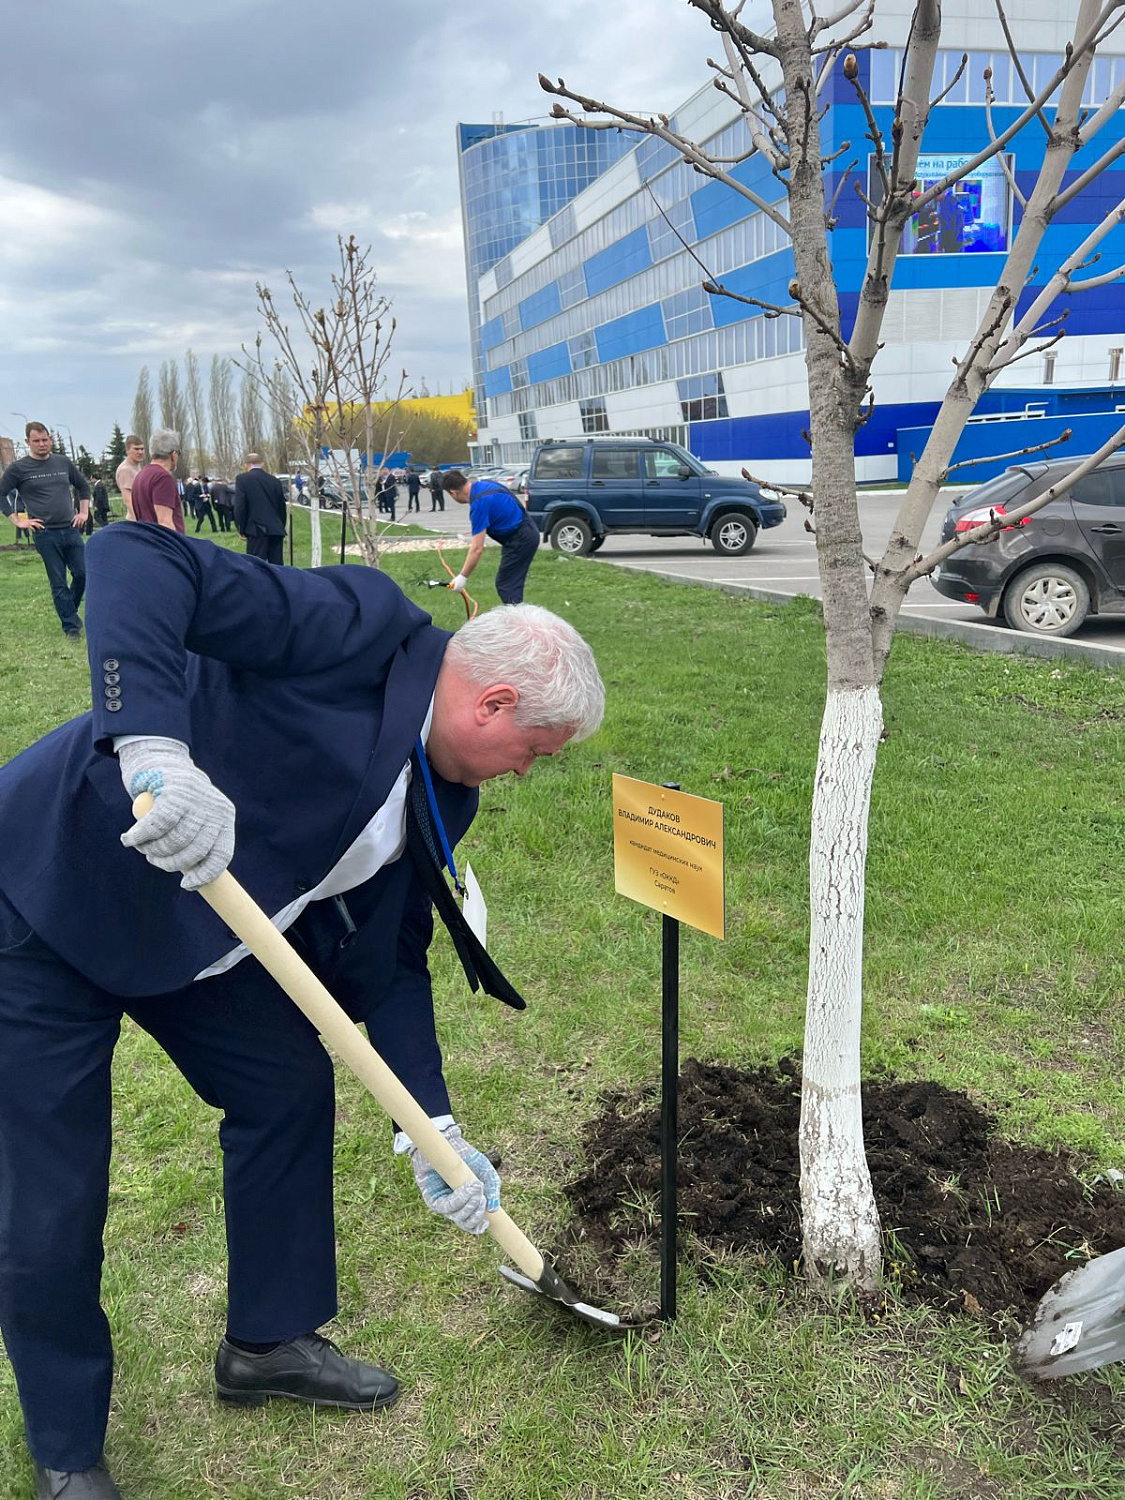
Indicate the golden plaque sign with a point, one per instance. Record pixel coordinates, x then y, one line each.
668 853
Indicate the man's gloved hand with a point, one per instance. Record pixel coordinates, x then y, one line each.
467 1206
458 583
191 825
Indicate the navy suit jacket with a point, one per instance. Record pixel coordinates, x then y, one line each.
301 694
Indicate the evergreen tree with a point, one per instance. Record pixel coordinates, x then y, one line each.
115 450
85 463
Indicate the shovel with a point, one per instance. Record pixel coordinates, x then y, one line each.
249 923
1080 1323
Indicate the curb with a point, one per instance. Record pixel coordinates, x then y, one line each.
978 637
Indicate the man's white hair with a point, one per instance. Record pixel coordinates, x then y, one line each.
164 443
545 660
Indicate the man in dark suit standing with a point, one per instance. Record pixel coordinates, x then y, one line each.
343 725
260 511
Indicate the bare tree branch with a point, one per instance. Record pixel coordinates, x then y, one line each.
999 458
837 44
873 133
1013 53
1090 282
1005 164
1074 54
826 328
830 215
693 154
1060 282
953 82
757 130
804 496
1029 353
724 20
1081 183
771 309
826 23
1109 108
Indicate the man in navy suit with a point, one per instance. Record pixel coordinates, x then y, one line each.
306 700
260 511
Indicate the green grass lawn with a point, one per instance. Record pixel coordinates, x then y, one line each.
994 964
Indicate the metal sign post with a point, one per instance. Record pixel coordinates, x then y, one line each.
669 1112
668 855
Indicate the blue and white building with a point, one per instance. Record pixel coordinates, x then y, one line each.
594 320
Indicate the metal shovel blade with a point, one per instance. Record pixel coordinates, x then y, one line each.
1080 1323
551 1286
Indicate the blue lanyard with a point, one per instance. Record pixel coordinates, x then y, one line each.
436 815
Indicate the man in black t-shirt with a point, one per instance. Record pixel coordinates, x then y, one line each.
45 508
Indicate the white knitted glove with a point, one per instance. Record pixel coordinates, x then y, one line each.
190 828
459 583
467 1206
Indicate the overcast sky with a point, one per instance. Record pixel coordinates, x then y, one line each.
156 160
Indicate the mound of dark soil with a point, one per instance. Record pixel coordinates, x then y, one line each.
986 1225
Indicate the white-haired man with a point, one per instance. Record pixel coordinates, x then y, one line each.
156 494
351 735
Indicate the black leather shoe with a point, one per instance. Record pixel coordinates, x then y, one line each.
309 1369
75 1484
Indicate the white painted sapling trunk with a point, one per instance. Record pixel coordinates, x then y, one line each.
840 1220
314 524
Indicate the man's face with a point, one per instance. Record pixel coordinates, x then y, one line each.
503 746
462 496
135 453
475 736
39 443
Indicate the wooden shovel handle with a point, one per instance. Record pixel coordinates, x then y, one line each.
249 923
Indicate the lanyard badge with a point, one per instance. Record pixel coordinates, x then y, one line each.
472 899
436 816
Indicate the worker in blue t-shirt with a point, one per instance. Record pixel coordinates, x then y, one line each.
494 511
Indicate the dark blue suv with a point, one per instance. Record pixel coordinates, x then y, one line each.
581 490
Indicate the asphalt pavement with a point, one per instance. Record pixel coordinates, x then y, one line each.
783 565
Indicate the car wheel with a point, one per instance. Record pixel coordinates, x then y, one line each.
734 533
573 536
1047 599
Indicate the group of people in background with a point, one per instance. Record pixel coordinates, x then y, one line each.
45 495
55 504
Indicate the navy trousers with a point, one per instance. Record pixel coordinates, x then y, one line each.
270 549
62 549
245 1049
517 550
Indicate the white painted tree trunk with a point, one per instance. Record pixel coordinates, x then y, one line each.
314 524
840 1220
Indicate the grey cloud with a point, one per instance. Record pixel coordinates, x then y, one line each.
199 147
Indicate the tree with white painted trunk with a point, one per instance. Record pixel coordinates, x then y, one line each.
777 81
325 381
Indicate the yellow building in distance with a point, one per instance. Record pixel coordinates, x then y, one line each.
459 405
430 428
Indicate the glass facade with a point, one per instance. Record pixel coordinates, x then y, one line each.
609 328
514 178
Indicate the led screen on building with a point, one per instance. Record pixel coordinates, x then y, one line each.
973 215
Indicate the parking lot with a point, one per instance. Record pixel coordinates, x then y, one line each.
783 564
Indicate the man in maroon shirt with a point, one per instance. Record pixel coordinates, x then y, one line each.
156 495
